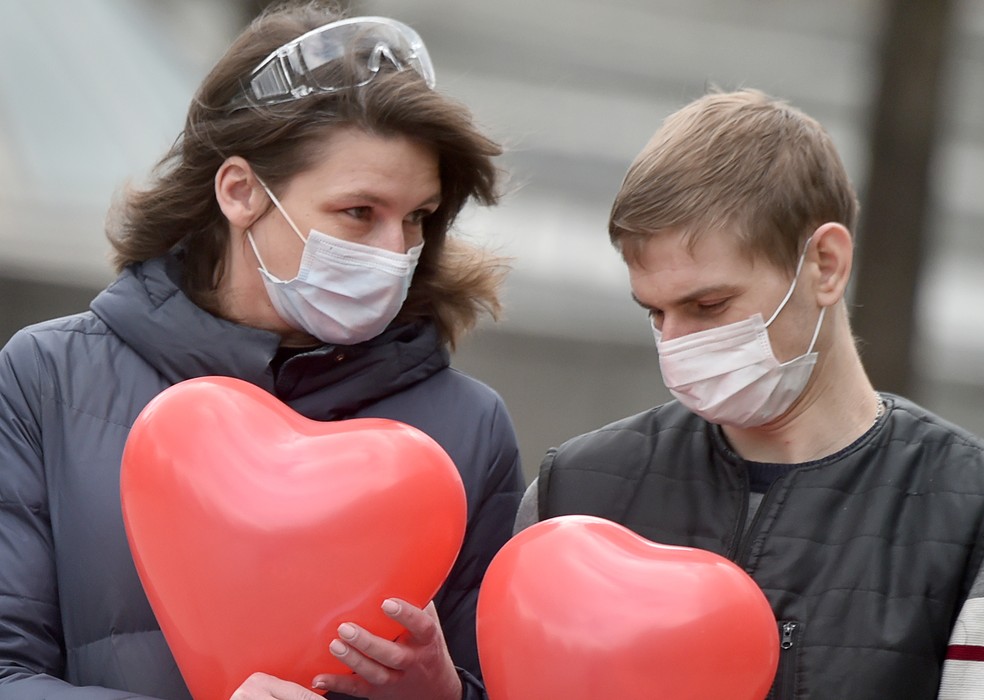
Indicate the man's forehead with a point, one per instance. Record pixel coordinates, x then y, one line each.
677 276
667 252
696 240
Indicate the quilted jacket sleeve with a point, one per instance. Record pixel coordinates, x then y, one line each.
490 527
31 648
495 474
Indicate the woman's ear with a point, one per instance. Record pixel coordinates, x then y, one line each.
238 193
834 256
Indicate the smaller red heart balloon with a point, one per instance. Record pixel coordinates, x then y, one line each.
581 608
256 531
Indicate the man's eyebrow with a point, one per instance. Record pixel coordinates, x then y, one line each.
697 294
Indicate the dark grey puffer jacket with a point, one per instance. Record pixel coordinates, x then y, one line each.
72 610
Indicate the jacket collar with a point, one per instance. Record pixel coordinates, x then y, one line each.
146 308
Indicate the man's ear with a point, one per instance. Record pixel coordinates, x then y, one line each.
834 255
239 194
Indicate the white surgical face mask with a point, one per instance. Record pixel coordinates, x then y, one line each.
730 376
344 292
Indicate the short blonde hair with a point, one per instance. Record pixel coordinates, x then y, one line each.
739 161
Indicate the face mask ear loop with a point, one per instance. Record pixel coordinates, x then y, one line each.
280 208
816 331
792 287
256 252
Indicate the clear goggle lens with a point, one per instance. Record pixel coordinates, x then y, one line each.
337 56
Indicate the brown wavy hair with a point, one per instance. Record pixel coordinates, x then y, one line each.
455 282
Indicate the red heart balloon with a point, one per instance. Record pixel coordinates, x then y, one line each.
580 608
256 531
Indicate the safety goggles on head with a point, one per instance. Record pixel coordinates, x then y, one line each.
313 62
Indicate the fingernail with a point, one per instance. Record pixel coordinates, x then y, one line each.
346 631
338 648
319 685
391 607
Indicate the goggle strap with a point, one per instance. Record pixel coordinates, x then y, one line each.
273 80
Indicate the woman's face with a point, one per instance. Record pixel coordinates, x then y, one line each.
369 189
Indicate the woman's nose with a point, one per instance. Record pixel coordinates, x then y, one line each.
394 237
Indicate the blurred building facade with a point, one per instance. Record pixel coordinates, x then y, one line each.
573 88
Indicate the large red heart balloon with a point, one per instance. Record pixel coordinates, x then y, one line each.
580 608
256 531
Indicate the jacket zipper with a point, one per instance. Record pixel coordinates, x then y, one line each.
740 533
785 682
742 538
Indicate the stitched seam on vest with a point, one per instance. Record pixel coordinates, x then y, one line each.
918 655
868 536
951 437
657 429
855 589
567 469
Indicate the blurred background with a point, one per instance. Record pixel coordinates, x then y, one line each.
92 92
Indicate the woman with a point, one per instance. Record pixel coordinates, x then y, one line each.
295 237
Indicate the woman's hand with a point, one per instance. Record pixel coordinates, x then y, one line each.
417 666
260 686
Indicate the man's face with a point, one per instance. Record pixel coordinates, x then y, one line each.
715 283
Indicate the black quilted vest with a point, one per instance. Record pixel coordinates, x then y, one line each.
865 556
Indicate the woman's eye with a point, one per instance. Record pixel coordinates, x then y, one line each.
416 218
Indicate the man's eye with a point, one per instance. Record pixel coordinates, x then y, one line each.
711 307
359 212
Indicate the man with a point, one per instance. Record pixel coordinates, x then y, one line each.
860 515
